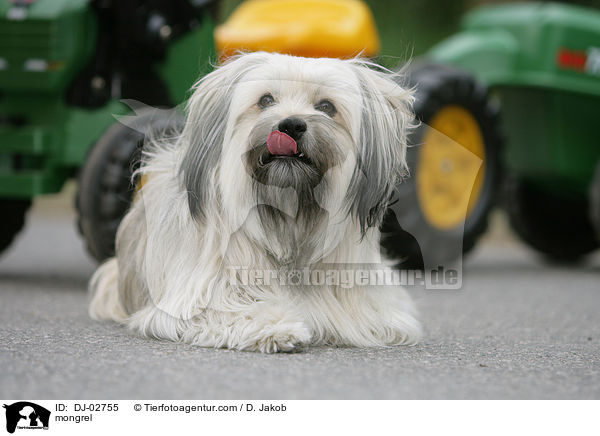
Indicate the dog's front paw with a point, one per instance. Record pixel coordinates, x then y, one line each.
284 336
264 328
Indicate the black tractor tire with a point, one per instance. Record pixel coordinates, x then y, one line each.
595 202
106 188
555 224
13 219
407 235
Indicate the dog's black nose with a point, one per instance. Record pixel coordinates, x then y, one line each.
295 127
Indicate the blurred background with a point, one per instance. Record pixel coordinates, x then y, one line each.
505 93
409 27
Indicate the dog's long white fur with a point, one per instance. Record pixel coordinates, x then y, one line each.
171 276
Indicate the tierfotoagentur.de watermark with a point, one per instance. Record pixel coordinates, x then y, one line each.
346 277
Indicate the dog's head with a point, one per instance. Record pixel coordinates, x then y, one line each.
332 130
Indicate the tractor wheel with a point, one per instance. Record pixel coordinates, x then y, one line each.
13 219
454 158
557 225
106 187
595 202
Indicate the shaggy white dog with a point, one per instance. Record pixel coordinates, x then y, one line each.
284 164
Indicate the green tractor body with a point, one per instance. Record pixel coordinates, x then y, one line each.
543 61
64 69
539 148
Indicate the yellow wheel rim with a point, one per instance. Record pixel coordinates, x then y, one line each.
450 173
139 185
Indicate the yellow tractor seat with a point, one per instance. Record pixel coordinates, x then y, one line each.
310 28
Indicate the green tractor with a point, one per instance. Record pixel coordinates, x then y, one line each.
539 63
66 67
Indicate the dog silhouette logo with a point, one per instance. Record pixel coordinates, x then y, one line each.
26 415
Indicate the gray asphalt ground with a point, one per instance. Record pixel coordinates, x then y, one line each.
520 328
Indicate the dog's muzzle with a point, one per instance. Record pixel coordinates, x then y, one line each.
282 152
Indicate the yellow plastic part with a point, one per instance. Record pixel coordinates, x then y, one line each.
309 28
139 185
450 173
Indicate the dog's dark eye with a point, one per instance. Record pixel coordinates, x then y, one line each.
327 107
266 101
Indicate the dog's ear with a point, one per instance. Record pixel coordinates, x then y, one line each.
386 118
205 128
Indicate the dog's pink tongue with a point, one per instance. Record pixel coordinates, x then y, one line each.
282 144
